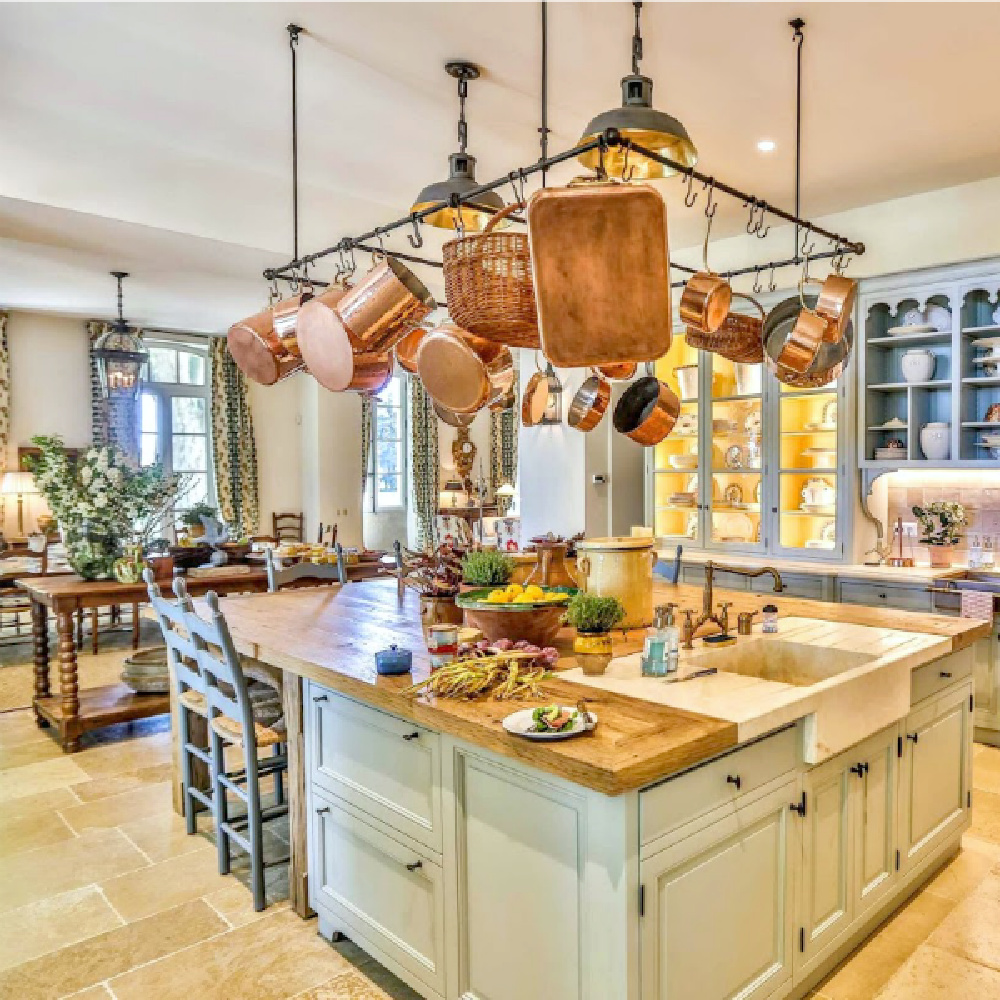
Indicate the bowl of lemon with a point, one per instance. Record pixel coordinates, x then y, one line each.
515 612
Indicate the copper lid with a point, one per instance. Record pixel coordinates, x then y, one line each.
324 344
454 368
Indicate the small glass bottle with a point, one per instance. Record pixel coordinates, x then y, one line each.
987 557
975 553
770 624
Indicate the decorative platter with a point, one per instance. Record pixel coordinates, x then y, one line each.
478 599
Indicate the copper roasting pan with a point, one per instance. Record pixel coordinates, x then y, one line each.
602 273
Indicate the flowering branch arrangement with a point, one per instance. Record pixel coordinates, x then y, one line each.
941 522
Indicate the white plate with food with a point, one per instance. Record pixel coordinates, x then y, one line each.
550 722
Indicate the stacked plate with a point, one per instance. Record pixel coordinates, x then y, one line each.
682 499
890 454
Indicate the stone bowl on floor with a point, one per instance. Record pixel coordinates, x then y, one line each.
145 671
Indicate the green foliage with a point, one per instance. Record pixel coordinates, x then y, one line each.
941 522
192 517
589 614
487 567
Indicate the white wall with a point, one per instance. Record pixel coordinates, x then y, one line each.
277 423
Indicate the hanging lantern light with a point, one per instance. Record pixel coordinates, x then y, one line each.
461 173
120 354
553 405
639 121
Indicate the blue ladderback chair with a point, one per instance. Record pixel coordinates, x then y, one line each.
669 569
282 576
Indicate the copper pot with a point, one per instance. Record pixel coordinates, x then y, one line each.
370 372
285 319
647 411
534 399
836 303
384 307
830 361
451 418
622 371
705 301
258 352
803 342
589 403
406 349
323 342
462 372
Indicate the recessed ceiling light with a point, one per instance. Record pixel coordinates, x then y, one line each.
767 145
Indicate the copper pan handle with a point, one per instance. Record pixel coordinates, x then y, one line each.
497 217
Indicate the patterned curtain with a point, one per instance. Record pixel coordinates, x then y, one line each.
424 451
367 409
112 421
503 451
233 446
4 405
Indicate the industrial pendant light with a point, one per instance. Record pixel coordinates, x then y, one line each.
461 173
637 120
553 404
120 354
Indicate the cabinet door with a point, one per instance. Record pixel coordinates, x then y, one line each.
718 908
987 673
934 773
826 900
875 823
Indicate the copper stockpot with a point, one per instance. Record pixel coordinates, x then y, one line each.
836 303
285 319
451 418
620 372
323 341
589 403
407 348
705 301
371 372
803 342
534 399
384 307
647 411
258 352
462 372
830 360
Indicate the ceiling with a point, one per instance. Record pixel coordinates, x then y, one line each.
155 136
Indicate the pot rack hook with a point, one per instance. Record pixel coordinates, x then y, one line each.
751 227
690 196
416 240
628 171
757 287
516 178
807 246
456 214
803 281
711 205
772 285
760 229
708 233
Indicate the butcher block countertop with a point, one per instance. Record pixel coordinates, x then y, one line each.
331 635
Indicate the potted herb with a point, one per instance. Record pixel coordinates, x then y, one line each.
191 518
487 568
593 618
940 529
436 576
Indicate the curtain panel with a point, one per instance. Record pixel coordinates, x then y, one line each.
424 452
234 452
367 409
113 421
503 449
4 406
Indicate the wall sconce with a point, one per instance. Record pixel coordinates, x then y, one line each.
553 406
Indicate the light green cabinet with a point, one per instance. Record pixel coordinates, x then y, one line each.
747 857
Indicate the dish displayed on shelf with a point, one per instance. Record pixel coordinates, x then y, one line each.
692 526
894 424
992 414
890 454
752 423
722 426
734 457
687 425
936 317
912 328
820 427
733 494
991 365
829 416
735 527
686 461
756 491
681 499
828 533
818 493
817 508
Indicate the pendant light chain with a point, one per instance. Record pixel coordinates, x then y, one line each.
544 130
463 127
121 314
294 31
636 40
797 24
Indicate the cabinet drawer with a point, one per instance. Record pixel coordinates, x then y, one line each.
793 585
386 766
880 595
388 894
666 806
934 677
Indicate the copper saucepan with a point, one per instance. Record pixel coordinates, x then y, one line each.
258 351
647 411
370 372
384 307
620 371
462 372
407 348
534 399
830 361
323 341
707 296
589 403
286 315
451 418
836 303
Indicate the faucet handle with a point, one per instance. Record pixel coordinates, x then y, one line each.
724 616
687 629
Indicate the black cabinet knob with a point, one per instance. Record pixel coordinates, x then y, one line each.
411 736
414 865
734 779
913 737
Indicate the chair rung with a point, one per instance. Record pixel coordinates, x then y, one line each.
202 797
227 830
273 812
278 861
232 786
202 753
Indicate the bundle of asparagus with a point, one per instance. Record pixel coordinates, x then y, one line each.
504 678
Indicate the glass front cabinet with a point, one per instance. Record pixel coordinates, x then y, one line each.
752 466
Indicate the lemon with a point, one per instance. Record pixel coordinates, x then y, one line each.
514 589
524 598
534 593
498 597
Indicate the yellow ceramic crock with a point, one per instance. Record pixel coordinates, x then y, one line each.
623 568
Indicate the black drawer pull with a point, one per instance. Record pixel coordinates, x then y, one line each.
411 736
860 769
945 673
913 737
734 779
883 596
321 697
322 810
414 865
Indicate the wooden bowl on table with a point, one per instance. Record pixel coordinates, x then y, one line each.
536 622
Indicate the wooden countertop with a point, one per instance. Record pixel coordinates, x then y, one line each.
331 634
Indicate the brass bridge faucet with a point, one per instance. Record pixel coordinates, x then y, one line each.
708 598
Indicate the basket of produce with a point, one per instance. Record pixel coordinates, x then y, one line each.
532 614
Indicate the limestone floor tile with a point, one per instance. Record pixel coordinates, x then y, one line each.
933 974
985 816
43 802
128 755
43 776
273 958
347 986
972 929
115 784
100 992
18 726
133 804
25 833
961 875
987 847
165 884
867 970
235 900
92 857
98 958
31 752
986 770
54 922
164 835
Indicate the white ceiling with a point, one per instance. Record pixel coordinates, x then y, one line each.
155 136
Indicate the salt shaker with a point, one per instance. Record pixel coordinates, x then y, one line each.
770 618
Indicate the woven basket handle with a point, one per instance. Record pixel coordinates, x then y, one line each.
496 218
752 300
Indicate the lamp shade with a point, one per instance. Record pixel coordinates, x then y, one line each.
506 491
451 491
461 180
17 484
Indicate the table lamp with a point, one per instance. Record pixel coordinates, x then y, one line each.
19 484
451 492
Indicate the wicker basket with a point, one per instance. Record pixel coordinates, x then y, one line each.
487 281
739 338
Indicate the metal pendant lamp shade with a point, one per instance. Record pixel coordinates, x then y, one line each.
461 174
639 121
120 354
553 404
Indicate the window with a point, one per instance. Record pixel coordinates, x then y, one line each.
388 451
175 416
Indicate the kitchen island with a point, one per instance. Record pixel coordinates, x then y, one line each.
675 852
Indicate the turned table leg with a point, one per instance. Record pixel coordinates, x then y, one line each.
68 682
40 646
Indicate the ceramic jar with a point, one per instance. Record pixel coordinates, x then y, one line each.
918 364
935 441
619 567
748 379
687 381
593 651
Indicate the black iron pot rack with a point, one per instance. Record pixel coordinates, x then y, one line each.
841 247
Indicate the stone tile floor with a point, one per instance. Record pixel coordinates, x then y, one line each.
103 895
